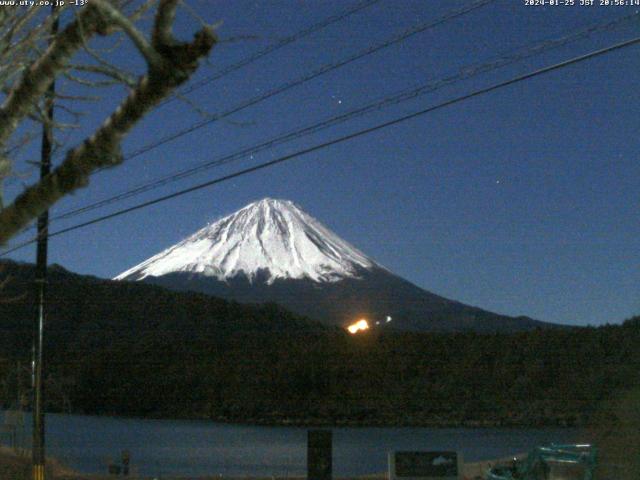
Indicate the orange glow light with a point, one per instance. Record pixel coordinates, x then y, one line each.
360 325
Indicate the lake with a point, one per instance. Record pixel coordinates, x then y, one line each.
196 448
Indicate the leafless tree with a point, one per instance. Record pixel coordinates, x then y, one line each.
31 58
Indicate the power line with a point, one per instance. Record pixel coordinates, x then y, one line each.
269 49
341 139
450 15
463 74
274 47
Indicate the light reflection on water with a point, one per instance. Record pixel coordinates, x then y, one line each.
198 448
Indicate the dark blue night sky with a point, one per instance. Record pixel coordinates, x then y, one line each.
522 201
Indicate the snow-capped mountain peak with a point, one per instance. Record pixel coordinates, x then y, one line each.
269 237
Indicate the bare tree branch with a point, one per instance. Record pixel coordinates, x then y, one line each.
91 83
141 10
37 78
115 16
118 75
178 62
79 98
162 30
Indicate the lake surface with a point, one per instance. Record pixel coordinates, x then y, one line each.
196 448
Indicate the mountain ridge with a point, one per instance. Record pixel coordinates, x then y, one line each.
269 235
273 251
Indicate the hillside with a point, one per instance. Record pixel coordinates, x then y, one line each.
140 350
273 251
86 312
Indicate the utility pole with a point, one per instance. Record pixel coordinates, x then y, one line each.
37 448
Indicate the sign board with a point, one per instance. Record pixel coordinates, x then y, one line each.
319 455
425 466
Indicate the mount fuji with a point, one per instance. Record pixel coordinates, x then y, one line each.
273 251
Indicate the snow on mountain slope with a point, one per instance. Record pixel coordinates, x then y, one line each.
269 236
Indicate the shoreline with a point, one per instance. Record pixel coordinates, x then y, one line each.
314 422
18 466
